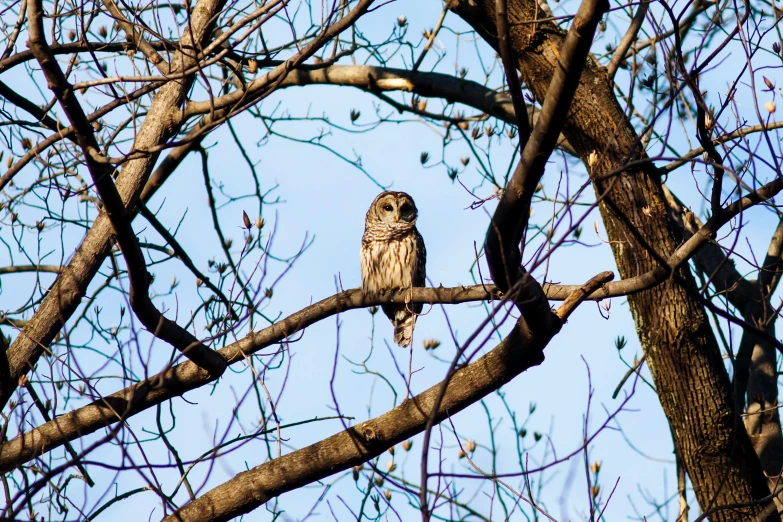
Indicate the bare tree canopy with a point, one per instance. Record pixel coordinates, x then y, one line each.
183 190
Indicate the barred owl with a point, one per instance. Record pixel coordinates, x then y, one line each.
393 257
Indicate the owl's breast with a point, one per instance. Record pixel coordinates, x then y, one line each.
388 263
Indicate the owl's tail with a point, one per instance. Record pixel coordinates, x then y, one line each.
403 322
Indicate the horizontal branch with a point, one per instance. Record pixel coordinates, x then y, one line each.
16 269
181 378
385 79
77 47
519 351
186 376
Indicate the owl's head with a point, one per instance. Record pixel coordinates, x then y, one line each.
392 208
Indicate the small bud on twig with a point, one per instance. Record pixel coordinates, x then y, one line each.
430 344
592 159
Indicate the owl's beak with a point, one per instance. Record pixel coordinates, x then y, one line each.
397 218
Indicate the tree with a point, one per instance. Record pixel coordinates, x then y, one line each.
110 100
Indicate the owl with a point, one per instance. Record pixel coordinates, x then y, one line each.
393 257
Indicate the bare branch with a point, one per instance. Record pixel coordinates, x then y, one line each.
508 57
114 207
511 215
628 38
66 293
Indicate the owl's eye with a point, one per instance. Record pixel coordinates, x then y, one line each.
387 208
405 207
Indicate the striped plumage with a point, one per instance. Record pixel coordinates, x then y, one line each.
393 257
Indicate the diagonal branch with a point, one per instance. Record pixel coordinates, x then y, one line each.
770 272
510 219
628 38
183 256
136 37
710 258
114 207
518 352
65 295
508 57
163 121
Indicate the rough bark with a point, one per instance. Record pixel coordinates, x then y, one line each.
682 352
762 419
755 366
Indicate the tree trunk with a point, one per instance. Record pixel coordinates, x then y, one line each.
682 352
762 420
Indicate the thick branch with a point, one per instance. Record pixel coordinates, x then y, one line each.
769 274
114 207
522 349
711 260
137 37
358 444
681 349
628 38
509 60
509 222
65 295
